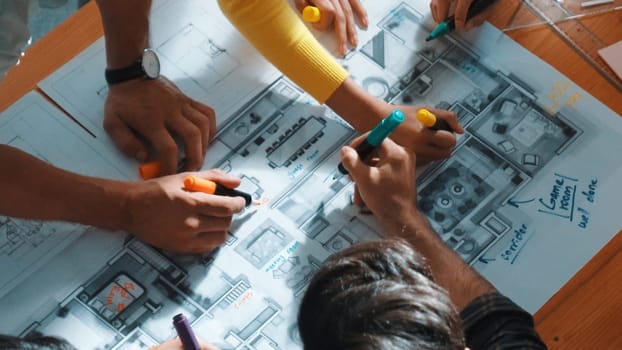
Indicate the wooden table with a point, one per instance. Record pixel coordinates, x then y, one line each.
584 314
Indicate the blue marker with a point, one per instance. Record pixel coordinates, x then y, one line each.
376 136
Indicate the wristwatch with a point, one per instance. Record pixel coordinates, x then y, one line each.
148 65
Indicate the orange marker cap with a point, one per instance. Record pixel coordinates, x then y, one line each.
425 117
196 184
311 14
149 170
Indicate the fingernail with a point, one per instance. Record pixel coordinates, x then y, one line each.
141 155
365 22
460 24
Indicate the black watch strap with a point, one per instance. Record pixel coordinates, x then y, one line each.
115 76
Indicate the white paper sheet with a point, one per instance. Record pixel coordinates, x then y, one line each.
529 196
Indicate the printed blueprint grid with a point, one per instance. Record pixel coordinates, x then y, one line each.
527 198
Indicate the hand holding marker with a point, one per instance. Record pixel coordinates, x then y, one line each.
376 136
446 26
196 184
429 120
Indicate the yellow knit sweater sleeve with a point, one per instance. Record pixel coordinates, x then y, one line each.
275 30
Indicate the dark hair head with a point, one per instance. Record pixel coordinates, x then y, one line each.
377 295
33 342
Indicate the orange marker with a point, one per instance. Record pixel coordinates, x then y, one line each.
153 169
429 120
196 184
149 170
311 14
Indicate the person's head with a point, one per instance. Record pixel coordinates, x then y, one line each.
33 342
378 295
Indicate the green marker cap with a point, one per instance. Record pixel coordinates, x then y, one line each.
440 30
385 128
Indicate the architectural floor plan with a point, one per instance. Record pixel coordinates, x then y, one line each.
527 198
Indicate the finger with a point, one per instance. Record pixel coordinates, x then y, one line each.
209 113
353 163
462 9
191 136
327 17
443 139
125 139
341 31
358 140
333 15
478 20
301 4
218 206
218 176
392 153
166 147
202 122
349 23
360 12
450 117
442 10
434 11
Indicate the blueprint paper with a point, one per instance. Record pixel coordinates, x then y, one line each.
35 126
529 196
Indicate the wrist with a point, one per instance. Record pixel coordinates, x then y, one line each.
360 109
103 203
126 29
413 227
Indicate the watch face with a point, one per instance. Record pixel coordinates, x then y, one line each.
151 64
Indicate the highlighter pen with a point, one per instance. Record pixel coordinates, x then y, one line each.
152 169
197 184
376 136
446 26
311 14
430 121
185 333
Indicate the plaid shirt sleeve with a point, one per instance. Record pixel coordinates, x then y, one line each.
493 321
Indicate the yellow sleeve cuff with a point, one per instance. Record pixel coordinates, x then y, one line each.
275 30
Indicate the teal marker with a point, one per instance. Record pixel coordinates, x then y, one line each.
446 26
376 136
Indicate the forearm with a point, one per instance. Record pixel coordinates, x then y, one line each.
126 29
275 30
357 106
33 189
462 282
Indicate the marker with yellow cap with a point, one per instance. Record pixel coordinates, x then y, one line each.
311 14
430 121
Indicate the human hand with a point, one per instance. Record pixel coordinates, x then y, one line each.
340 15
440 12
429 144
175 344
387 187
160 212
144 113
